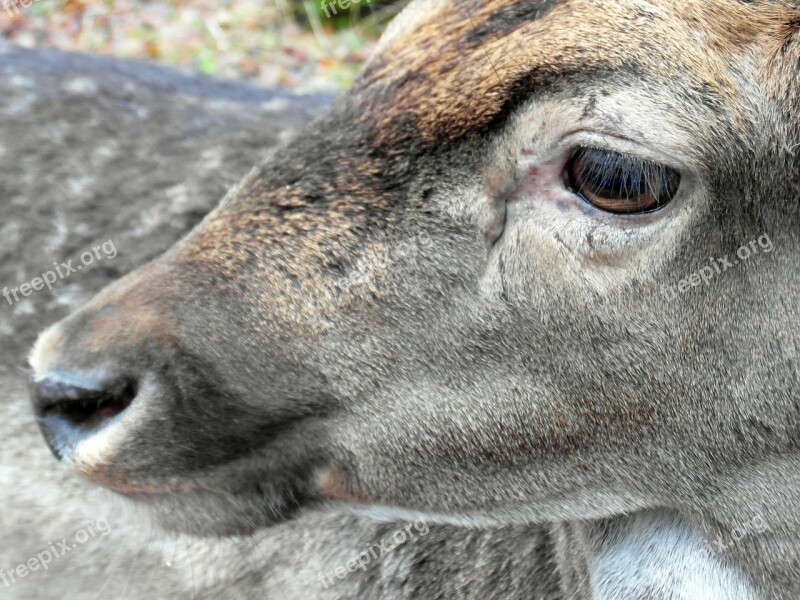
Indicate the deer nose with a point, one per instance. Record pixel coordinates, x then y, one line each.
72 407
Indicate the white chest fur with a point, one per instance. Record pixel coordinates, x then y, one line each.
660 556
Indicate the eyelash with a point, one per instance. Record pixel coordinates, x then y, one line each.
620 183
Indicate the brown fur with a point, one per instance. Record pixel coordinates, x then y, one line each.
447 83
524 363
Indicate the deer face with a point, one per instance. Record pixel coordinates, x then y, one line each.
498 276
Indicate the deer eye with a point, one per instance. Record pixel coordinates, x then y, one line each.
620 183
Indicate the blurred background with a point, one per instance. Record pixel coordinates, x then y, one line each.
306 45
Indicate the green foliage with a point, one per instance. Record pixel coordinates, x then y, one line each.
367 14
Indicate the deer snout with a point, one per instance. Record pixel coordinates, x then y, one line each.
72 407
154 389
101 386
111 409
129 396
97 393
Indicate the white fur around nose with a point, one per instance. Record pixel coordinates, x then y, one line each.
661 557
41 355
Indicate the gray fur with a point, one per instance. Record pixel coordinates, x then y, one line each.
43 503
537 377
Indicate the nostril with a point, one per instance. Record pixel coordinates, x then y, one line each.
87 406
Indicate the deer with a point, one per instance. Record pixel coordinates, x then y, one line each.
164 130
549 169
62 112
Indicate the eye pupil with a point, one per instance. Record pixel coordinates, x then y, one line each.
620 183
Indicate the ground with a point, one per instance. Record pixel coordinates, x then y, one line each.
289 43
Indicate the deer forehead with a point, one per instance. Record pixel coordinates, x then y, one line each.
455 64
449 70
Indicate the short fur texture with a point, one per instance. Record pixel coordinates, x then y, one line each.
518 359
75 131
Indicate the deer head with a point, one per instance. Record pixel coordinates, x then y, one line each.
541 262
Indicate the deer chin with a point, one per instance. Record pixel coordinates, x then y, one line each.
233 497
213 507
